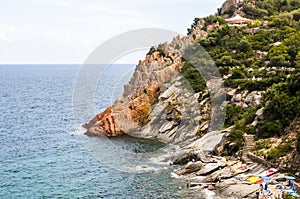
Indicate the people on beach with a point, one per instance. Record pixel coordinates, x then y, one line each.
219 178
188 184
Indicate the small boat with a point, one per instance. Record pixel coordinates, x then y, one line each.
269 172
241 169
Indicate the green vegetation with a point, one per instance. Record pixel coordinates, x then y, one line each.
158 49
288 196
264 56
237 140
193 76
233 113
280 151
208 21
275 153
265 8
283 107
235 46
161 52
263 144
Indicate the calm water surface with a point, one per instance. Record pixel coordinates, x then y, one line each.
45 155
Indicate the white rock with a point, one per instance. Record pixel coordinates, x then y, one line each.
166 127
259 113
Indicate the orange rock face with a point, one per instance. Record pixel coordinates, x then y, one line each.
132 111
126 117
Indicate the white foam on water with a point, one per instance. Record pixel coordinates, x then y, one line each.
78 129
208 194
160 160
141 169
176 176
198 178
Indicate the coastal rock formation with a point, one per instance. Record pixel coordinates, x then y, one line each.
158 102
190 168
233 7
128 116
230 5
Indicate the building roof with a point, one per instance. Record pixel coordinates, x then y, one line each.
237 19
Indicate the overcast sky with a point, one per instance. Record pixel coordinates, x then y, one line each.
67 31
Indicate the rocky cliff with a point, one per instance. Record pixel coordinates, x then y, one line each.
157 102
258 64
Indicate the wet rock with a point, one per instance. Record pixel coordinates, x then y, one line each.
190 168
185 157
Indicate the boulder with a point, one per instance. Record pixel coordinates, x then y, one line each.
207 169
222 174
185 156
241 190
190 168
237 98
260 114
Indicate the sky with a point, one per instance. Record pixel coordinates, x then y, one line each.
67 31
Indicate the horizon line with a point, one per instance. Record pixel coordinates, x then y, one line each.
59 64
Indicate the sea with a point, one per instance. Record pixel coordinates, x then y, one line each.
45 154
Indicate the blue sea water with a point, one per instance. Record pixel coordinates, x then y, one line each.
44 154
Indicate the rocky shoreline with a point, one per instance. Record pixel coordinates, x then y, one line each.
164 108
220 176
160 104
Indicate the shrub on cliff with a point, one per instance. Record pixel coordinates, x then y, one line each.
233 113
193 76
274 7
254 12
236 137
283 106
275 153
270 129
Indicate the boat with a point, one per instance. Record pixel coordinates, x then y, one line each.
269 172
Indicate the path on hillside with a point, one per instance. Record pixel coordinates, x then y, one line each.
249 145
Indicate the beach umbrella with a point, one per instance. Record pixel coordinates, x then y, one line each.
266 178
290 178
